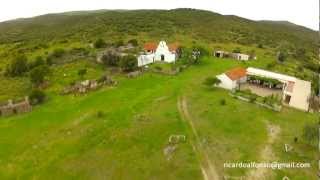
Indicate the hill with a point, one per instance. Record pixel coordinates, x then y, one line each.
124 131
176 24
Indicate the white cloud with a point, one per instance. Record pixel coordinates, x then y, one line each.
301 12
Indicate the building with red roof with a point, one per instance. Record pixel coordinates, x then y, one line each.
161 52
232 78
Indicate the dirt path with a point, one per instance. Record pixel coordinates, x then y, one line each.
208 170
266 154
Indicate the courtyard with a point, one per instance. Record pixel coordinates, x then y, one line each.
261 90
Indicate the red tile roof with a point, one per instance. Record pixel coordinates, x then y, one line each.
236 73
150 46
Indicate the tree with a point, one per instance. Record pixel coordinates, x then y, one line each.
310 133
211 81
281 56
82 72
128 63
134 42
314 103
99 43
37 96
38 74
18 66
110 58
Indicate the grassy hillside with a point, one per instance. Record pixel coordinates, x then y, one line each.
175 24
74 32
66 138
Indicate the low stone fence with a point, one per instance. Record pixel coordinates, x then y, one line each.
18 107
88 85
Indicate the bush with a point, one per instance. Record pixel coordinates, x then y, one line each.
100 114
37 97
223 102
237 50
57 53
38 74
134 42
128 63
82 72
18 66
110 59
37 62
282 56
211 81
99 43
253 98
119 43
260 46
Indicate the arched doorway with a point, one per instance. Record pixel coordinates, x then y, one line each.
162 57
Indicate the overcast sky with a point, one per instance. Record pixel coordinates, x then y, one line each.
302 12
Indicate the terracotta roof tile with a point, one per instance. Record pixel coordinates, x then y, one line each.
150 46
236 73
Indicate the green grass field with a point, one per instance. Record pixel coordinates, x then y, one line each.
65 139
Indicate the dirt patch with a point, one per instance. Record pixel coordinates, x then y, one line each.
207 167
266 155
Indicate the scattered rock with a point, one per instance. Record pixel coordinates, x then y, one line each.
169 150
287 147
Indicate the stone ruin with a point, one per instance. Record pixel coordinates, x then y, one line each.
88 85
19 107
134 74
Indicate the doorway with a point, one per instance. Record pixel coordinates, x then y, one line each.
162 57
287 99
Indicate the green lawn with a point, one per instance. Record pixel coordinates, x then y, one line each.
65 139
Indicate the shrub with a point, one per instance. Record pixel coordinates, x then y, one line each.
110 59
57 53
134 42
128 63
253 98
237 50
282 56
222 102
119 43
38 74
100 114
37 97
211 81
37 62
99 43
82 72
260 46
18 66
